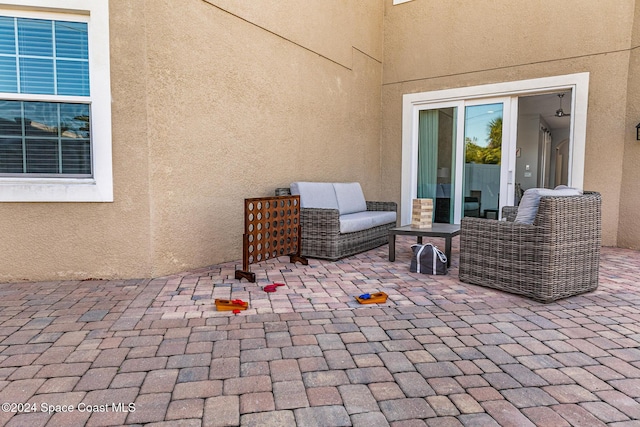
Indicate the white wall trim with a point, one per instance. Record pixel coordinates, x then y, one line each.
413 102
99 188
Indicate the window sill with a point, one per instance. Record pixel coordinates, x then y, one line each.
54 190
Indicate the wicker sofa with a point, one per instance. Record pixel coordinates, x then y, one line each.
338 222
555 257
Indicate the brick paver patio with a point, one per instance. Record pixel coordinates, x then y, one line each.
438 353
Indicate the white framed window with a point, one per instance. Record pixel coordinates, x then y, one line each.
55 101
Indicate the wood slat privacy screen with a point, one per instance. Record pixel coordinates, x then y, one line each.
271 229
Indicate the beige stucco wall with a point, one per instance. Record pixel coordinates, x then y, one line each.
213 102
42 241
432 45
241 100
629 231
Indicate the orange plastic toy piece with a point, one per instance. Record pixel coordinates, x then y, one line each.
231 305
377 298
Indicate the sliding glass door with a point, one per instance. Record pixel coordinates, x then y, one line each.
482 159
437 132
463 158
469 175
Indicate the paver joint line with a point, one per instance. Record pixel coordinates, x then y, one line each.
438 352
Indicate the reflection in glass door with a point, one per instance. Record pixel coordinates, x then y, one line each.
436 160
482 160
462 158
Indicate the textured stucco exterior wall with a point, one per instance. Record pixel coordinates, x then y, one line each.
238 107
213 102
629 231
42 241
433 45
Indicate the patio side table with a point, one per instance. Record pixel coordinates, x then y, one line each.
448 231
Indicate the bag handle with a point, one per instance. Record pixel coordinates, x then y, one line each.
418 263
440 254
435 249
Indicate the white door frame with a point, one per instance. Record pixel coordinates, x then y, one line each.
411 104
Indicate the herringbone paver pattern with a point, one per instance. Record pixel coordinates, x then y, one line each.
438 353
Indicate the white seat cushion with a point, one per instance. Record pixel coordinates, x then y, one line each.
350 197
528 207
315 194
359 221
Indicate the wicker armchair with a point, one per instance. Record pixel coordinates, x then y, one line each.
555 257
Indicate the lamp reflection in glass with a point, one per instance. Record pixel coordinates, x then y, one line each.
445 172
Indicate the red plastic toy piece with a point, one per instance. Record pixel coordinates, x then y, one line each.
272 287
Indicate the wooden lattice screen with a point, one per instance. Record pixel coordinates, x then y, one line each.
271 229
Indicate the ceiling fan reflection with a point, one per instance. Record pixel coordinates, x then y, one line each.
560 112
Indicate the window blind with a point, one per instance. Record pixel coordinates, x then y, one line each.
44 57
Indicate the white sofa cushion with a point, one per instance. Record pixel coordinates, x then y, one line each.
350 197
315 194
528 207
359 221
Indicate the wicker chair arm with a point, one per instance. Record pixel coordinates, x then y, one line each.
484 234
283 191
316 221
509 213
382 206
493 224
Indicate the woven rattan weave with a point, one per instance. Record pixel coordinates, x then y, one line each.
321 237
556 257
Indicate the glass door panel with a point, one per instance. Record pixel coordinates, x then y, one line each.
437 129
462 159
483 126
